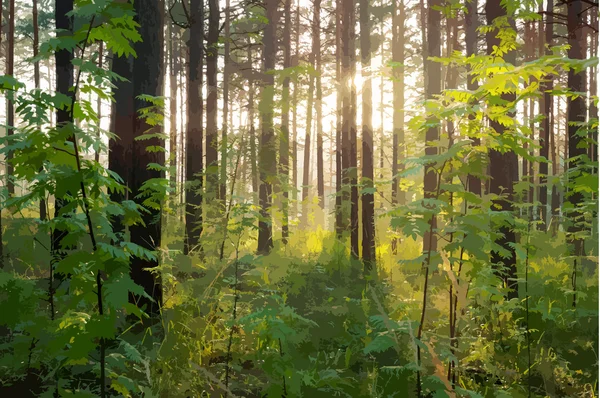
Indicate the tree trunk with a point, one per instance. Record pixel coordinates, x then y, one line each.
212 172
64 82
98 102
503 167
309 119
173 58
433 88
10 111
354 244
368 198
339 78
253 162
295 116
36 78
547 86
149 75
576 111
195 108
471 25
318 104
267 156
284 140
226 73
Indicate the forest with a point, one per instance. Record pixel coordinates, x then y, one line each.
299 198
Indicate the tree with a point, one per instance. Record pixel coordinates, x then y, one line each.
576 114
339 78
148 150
309 114
64 82
398 145
174 65
212 52
353 139
471 25
319 103
267 159
226 77
10 111
547 87
36 77
284 139
368 197
195 108
504 168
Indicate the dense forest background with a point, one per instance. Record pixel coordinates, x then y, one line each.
355 198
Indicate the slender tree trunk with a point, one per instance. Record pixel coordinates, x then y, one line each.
173 58
398 145
224 129
267 156
471 25
64 82
546 109
430 182
10 111
98 101
149 75
368 198
354 244
309 119
319 105
36 78
295 116
284 140
251 116
212 172
576 113
195 108
339 78
504 168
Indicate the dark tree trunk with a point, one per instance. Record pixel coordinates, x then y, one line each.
267 159
318 104
576 111
36 78
368 198
253 162
226 73
195 108
173 59
99 101
295 116
212 145
354 244
471 25
10 111
347 8
64 82
398 145
149 75
545 139
309 119
433 87
339 213
284 140
504 168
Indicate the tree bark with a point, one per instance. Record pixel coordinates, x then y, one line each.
267 159
339 78
224 129
504 168
547 86
471 25
149 75
195 108
212 145
354 243
10 111
368 198
284 140
319 105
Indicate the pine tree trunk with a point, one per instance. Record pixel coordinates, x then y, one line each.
398 146
212 145
284 141
149 75
354 244
576 112
339 78
267 156
503 167
368 198
224 129
471 25
195 108
36 77
251 116
309 121
10 111
173 59
319 105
